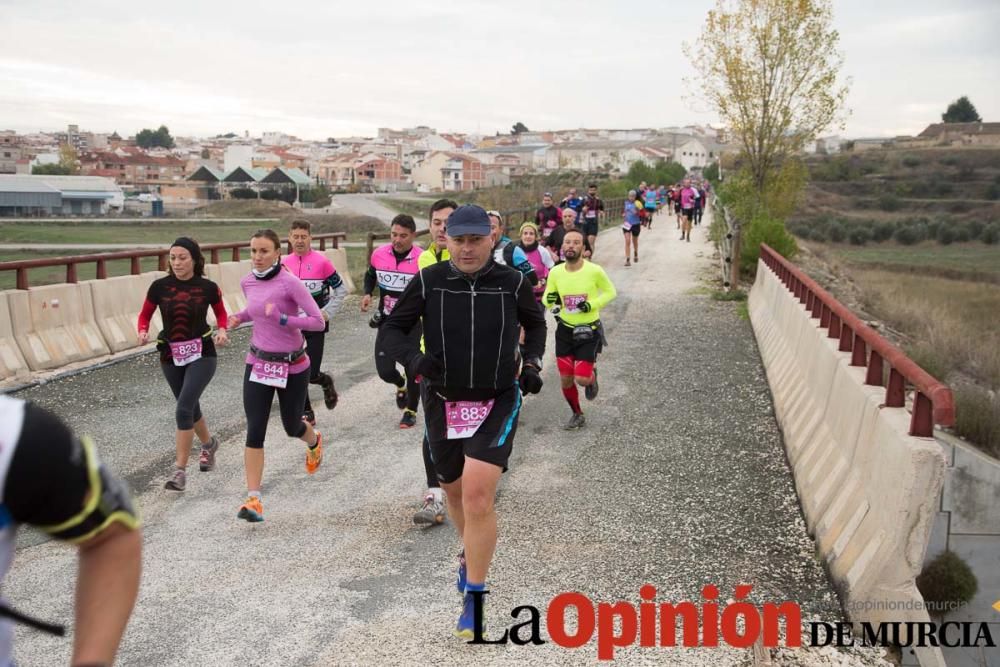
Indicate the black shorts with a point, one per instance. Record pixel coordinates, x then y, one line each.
590 226
492 442
636 228
567 346
688 213
677 207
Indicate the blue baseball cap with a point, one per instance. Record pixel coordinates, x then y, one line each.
468 219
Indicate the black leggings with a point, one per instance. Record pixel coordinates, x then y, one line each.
257 400
429 469
315 341
188 383
386 369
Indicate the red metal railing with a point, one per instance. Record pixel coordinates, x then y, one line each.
933 402
212 252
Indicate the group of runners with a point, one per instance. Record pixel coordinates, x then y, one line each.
462 327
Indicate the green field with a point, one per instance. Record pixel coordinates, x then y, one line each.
204 232
970 261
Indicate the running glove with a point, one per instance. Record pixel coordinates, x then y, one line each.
530 380
552 298
425 366
584 307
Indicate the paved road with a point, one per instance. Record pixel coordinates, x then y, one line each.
679 480
363 204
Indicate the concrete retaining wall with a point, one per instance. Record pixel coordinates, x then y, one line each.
339 259
117 302
12 363
868 490
54 325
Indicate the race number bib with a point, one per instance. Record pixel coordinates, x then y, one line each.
590 214
186 351
393 280
464 418
571 302
271 373
388 303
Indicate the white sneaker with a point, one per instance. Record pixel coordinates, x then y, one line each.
432 513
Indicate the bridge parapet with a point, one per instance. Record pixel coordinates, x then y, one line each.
868 474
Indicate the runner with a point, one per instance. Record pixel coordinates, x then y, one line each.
593 209
547 217
699 202
676 196
572 201
277 361
432 511
649 201
53 481
580 288
437 250
540 259
688 196
320 277
187 348
392 267
555 241
506 252
472 311
631 226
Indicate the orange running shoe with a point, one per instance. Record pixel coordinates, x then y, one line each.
252 510
314 455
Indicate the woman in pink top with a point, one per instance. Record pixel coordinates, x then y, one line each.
277 361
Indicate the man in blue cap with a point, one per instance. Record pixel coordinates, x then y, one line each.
471 401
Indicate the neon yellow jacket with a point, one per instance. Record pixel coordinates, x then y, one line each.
589 283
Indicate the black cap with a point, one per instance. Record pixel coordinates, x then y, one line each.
468 219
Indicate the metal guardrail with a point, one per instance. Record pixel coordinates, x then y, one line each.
730 246
933 402
210 250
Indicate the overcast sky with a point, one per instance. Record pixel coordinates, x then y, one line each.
319 68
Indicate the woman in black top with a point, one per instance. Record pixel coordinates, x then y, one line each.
187 347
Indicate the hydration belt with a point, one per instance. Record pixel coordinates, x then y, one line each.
290 357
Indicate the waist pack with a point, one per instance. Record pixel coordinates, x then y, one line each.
583 333
290 357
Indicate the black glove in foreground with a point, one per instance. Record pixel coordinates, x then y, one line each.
530 380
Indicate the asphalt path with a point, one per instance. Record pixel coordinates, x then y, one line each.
679 480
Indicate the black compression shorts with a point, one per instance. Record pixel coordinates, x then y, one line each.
492 442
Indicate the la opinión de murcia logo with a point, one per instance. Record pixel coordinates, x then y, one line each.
738 623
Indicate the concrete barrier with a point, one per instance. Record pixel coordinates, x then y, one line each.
117 302
214 273
230 275
339 259
54 325
869 491
12 363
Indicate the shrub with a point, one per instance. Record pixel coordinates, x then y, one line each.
945 235
883 231
769 231
836 232
993 191
946 582
911 161
859 236
819 234
962 234
243 193
977 417
889 202
959 207
907 235
949 161
933 228
943 189
975 228
991 234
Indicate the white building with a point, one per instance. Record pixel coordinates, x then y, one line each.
238 155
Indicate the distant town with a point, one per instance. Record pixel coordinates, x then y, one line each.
188 172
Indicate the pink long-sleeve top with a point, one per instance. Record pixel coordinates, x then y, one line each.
290 297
